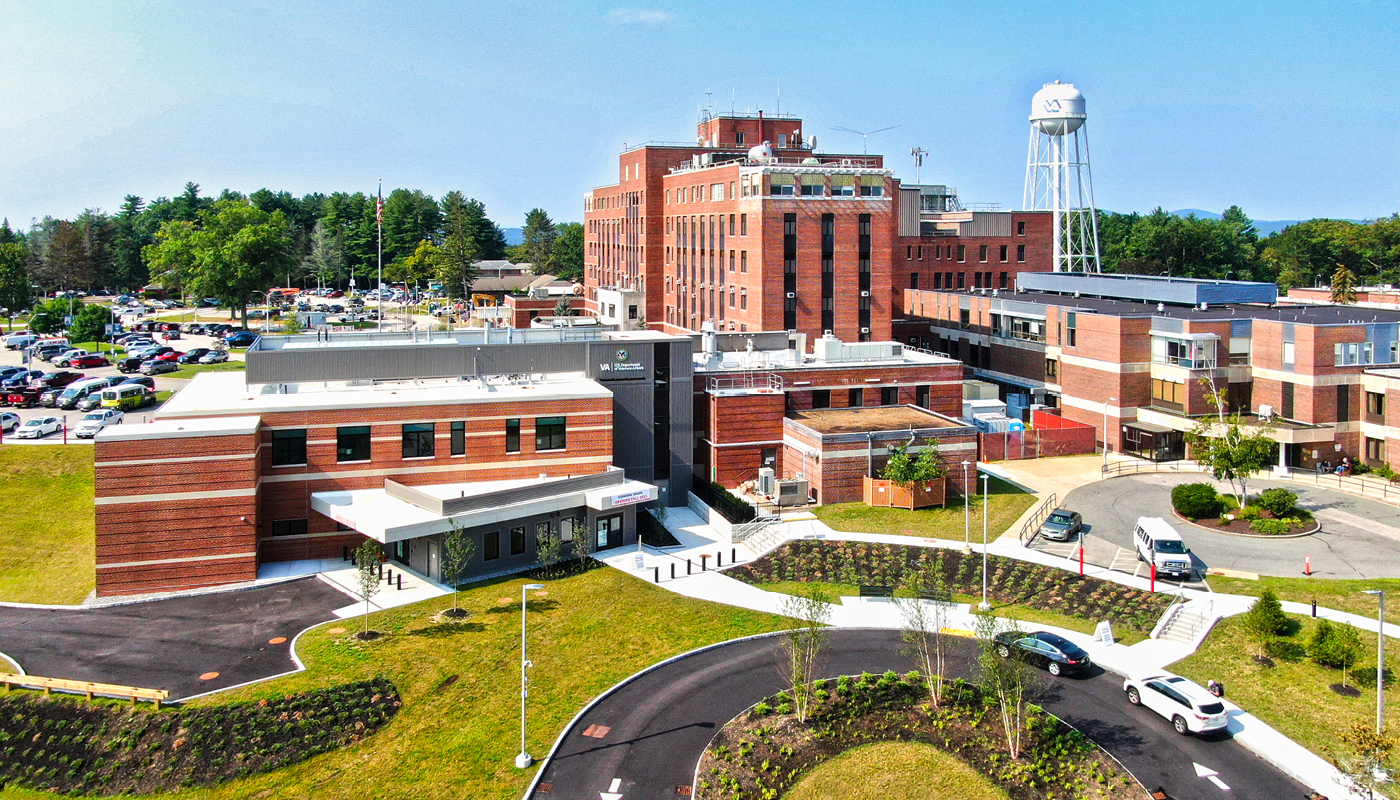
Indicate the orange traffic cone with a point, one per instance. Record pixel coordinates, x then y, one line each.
1307 565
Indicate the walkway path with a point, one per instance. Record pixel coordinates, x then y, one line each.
1153 654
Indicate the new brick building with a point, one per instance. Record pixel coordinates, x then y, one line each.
1140 354
751 229
513 435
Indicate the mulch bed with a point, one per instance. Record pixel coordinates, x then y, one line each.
1241 526
761 753
1010 580
71 746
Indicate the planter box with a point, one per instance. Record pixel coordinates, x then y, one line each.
888 494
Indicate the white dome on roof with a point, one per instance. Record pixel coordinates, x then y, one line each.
1058 109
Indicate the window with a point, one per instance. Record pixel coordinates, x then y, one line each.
1021 229
517 541
288 448
743 299
1002 281
889 395
1003 254
964 315
962 254
631 312
913 280
855 398
781 185
352 443
1168 394
1343 402
743 224
1021 253
418 440
813 189
1070 331
459 438
739 137
549 433
821 398
1375 449
1286 400
872 186
982 254
921 396
1052 369
1375 404
491 546
568 525
289 527
744 261
962 280
512 436
716 191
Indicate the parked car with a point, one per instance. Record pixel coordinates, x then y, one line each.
214 357
66 357
21 379
1158 543
244 339
209 301
129 364
89 361
167 336
48 352
128 397
1062 525
56 380
18 340
92 424
22 397
1055 654
154 367
173 355
195 329
39 427
9 372
69 396
94 399
192 355
1190 707
9 420
140 380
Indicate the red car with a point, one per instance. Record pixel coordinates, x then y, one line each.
173 355
89 361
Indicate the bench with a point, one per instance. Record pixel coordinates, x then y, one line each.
86 688
876 591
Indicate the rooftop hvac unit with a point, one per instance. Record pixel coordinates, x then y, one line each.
1266 411
793 492
766 484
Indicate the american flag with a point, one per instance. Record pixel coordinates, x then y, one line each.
379 208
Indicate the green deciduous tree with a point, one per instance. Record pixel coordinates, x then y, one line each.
924 622
1230 449
907 471
1335 645
566 259
458 549
410 217
15 291
89 323
805 617
1005 680
367 577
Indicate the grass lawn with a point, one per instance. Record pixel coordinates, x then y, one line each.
1292 696
46 524
1006 505
894 771
1341 595
458 731
188 371
1028 617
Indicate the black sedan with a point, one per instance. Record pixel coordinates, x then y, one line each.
192 355
129 364
1055 654
1062 525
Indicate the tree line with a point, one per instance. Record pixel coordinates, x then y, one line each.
1230 248
233 245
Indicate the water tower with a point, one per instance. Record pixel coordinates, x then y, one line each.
1057 175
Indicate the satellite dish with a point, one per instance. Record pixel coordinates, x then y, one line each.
813 141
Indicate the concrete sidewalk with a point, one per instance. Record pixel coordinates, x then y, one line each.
704 583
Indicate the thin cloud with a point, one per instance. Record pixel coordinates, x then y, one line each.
639 16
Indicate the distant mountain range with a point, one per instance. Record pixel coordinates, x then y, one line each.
517 235
1265 227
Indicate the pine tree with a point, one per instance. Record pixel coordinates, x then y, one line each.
1343 286
539 238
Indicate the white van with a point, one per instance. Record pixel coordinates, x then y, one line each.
1159 543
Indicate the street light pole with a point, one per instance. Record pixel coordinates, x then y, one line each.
967 512
524 760
1380 661
984 605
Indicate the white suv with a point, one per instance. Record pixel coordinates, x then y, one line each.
1190 708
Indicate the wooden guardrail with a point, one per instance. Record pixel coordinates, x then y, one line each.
86 688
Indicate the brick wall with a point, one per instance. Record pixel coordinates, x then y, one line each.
837 473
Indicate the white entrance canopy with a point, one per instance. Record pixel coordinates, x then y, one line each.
398 512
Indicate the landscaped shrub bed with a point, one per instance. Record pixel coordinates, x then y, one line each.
762 753
68 745
1274 512
1009 580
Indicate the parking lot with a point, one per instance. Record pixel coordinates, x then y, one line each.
71 417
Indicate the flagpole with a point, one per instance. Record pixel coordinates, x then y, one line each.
379 290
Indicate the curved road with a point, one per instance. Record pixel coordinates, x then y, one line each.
1360 538
661 723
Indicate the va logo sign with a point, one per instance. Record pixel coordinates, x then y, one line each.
1052 105
621 355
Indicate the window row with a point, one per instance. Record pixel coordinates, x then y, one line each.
418 440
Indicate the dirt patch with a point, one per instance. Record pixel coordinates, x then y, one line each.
1345 691
762 753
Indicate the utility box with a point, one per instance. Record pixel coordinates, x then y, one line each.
793 492
765 481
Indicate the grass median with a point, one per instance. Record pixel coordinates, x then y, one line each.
188 371
1005 504
1340 595
46 524
895 771
458 731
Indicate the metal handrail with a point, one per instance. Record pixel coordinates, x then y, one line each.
1032 523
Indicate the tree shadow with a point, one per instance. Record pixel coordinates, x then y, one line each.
536 604
448 629
1286 650
1367 675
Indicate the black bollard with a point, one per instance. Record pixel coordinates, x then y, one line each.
734 555
656 574
673 570
1314 608
400 586
719 559
687 566
352 560
391 577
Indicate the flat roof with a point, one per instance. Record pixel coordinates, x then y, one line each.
871 418
221 393
179 428
1306 314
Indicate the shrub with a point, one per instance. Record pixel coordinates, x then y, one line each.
1266 615
1250 513
1279 502
1196 500
1383 470
1272 527
725 502
1336 646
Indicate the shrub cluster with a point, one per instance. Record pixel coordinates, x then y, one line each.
1335 646
1279 502
724 501
1196 501
1272 527
62 744
1010 580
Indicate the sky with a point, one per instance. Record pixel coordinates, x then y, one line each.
1287 109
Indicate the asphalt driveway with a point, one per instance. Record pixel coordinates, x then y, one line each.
169 644
1359 538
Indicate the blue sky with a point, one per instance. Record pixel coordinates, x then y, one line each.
1286 108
